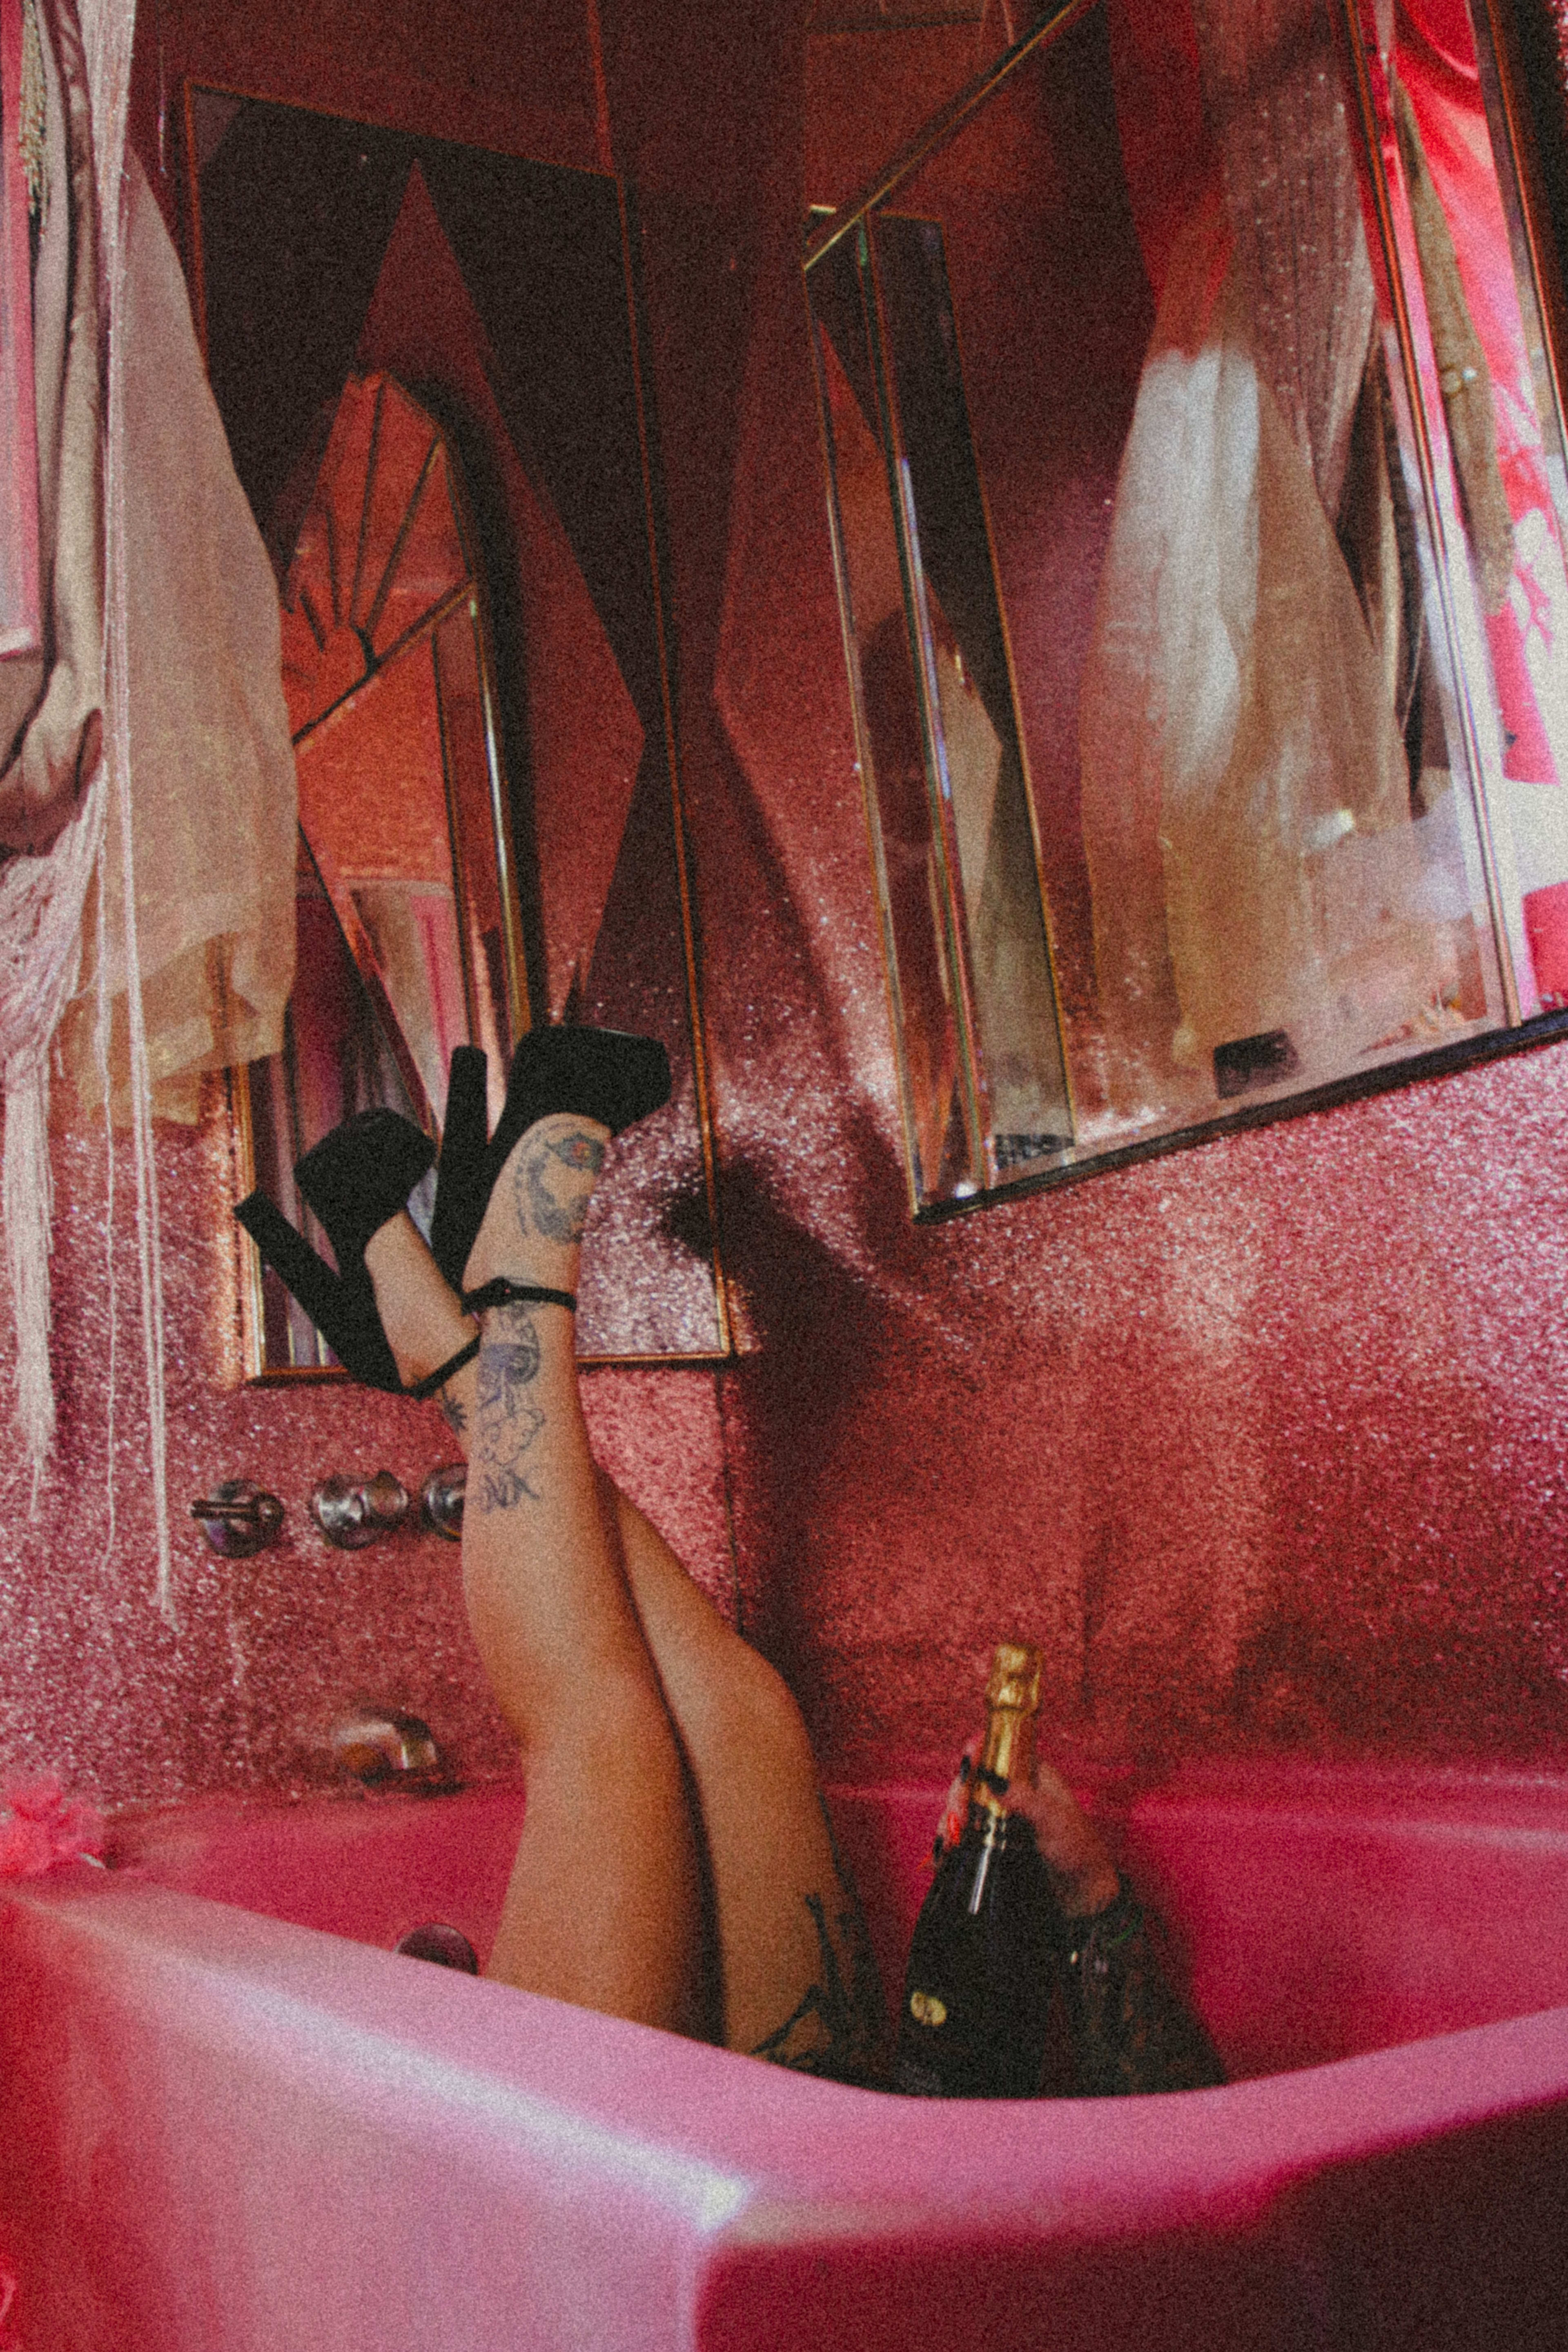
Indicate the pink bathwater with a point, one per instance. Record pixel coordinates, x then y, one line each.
236 2121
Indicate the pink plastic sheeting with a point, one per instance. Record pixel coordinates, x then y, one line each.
41 1827
223 2130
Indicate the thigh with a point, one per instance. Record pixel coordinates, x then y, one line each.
799 1983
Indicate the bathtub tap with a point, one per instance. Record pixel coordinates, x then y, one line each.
352 1513
240 1518
374 1747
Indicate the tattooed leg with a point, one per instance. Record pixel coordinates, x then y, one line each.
533 1226
795 1975
603 1907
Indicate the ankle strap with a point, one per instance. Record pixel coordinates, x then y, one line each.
503 1293
498 1293
427 1388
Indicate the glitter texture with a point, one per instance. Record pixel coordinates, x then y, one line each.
1263 1443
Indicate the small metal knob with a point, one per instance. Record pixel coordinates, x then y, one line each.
240 1520
442 1497
387 1502
447 1947
393 1746
352 1513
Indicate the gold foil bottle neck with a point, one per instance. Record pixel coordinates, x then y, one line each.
1012 1694
1014 1678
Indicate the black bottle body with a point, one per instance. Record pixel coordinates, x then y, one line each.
980 1993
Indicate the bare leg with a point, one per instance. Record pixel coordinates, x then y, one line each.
796 1980
799 1984
604 1907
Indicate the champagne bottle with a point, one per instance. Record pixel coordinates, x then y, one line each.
980 1992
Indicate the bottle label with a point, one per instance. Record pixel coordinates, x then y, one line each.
988 1824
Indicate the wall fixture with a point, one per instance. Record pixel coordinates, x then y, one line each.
374 1747
1205 614
240 1518
441 1498
353 1513
447 1947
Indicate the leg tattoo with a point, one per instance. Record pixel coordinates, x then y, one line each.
835 2028
506 1420
555 1183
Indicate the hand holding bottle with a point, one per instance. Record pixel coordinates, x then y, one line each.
1082 1875
982 1973
1030 1969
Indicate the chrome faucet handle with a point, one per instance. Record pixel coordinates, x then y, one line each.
240 1520
352 1513
371 1746
388 1503
338 1507
442 1497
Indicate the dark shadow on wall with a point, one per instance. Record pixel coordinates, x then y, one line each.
795 1407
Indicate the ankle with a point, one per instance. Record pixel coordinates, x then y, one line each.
532 1228
424 1325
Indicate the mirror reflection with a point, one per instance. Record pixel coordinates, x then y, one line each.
425 360
1192 452
408 943
387 679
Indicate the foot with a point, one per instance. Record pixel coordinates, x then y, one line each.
360 1175
355 1180
534 1224
423 1322
602 1078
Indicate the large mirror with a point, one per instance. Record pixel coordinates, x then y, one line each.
408 938
425 357
1197 479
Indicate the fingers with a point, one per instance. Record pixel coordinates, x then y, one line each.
1083 1876
1071 1847
955 1806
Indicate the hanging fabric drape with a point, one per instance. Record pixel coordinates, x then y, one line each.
21 189
158 641
209 727
1246 789
52 789
1274 100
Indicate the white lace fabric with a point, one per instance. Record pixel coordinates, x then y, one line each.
177 853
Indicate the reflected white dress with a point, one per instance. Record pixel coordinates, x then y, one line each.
1240 751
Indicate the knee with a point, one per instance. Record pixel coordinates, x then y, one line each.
750 1701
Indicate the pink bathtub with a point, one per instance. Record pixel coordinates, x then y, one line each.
224 2128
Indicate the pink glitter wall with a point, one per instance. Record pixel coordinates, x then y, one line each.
1263 1442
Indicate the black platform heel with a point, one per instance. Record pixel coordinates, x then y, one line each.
461 1190
603 1075
361 1175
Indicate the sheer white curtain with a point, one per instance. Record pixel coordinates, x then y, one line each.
43 890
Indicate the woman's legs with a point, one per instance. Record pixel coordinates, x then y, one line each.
604 1907
797 1982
